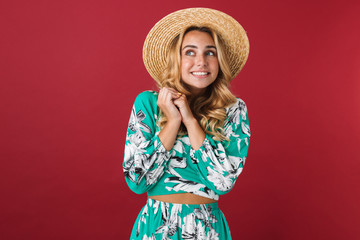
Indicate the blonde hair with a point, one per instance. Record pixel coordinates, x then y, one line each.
208 109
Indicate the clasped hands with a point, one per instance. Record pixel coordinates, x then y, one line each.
175 106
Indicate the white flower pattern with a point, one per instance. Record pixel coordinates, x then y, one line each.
213 168
180 221
209 171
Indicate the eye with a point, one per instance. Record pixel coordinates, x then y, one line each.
210 53
189 53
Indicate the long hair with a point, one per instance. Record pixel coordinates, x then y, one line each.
209 108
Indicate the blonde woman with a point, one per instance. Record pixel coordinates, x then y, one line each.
187 143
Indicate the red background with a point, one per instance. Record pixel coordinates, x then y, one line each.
70 71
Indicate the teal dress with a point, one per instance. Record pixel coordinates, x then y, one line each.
209 172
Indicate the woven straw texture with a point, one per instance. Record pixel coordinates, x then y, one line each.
158 40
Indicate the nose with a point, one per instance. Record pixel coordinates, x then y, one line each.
201 60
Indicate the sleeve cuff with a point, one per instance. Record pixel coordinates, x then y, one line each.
205 146
160 147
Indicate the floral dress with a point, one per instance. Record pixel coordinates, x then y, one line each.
209 172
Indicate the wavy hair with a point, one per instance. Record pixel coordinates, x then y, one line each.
209 108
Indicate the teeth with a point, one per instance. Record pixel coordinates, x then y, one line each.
199 73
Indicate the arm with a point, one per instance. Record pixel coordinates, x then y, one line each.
165 102
168 134
195 132
145 156
220 162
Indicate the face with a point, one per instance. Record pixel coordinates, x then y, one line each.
199 62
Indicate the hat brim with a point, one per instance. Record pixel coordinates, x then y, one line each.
158 40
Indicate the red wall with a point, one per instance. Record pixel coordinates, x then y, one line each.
70 71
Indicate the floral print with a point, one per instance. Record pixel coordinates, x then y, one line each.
209 171
180 221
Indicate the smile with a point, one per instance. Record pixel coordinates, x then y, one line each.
200 73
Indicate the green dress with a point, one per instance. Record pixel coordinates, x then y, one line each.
209 172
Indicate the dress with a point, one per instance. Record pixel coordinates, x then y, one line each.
209 172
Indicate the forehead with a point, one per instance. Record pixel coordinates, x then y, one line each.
198 38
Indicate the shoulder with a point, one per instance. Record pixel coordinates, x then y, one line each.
237 111
147 97
239 105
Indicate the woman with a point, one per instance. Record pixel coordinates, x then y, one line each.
187 143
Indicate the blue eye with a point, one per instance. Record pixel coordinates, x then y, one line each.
210 53
190 53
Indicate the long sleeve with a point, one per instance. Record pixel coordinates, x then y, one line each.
219 163
145 158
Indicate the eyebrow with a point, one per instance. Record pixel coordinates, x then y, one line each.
193 46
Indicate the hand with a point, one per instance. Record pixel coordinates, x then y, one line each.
166 104
186 115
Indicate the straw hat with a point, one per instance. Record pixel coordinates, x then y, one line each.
158 40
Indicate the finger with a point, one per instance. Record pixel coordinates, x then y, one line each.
168 97
165 94
182 98
175 93
180 102
165 91
161 95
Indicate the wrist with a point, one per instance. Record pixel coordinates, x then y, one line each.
174 122
191 123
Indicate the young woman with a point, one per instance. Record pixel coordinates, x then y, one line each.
187 143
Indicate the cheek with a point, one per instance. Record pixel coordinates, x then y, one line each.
215 65
185 65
